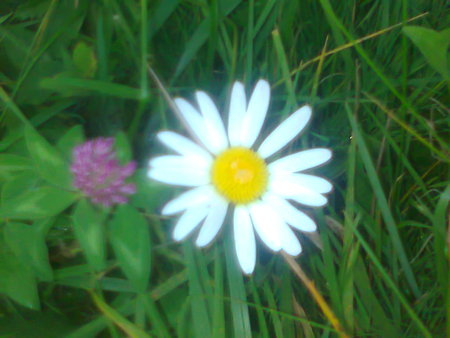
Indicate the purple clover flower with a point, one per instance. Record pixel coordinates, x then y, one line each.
98 174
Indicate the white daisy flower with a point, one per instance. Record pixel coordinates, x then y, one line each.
226 170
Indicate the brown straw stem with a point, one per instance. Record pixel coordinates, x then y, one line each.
316 295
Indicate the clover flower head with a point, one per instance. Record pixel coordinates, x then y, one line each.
98 174
225 170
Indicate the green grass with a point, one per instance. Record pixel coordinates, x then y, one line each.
71 70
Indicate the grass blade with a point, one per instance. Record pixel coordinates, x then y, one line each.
392 285
383 204
239 308
200 318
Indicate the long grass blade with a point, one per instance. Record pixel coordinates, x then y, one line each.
383 204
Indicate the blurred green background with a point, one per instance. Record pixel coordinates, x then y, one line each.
376 74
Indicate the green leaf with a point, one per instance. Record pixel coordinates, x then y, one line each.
17 280
440 219
73 137
274 316
44 201
5 17
123 148
201 34
262 323
89 231
84 59
198 38
46 323
11 105
395 289
286 302
64 84
380 322
10 164
154 315
383 204
47 160
199 305
44 114
218 317
239 308
149 193
16 186
28 244
130 239
130 329
160 15
433 45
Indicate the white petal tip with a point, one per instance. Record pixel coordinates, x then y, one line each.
161 134
306 111
200 94
323 202
238 84
295 252
315 200
328 152
150 173
309 228
307 107
201 243
263 83
319 203
248 270
178 238
178 235
329 189
262 90
325 154
179 100
167 211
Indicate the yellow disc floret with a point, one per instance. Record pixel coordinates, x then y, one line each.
240 175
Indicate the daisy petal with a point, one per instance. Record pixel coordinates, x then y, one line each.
213 222
285 132
213 122
256 113
288 189
183 145
314 183
267 224
301 161
290 214
175 161
194 197
310 198
189 221
244 239
290 243
290 184
238 107
179 176
294 181
195 122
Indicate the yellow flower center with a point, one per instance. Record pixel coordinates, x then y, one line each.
240 175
